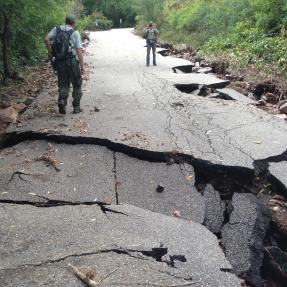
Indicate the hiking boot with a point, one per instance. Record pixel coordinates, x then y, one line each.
62 108
154 64
77 110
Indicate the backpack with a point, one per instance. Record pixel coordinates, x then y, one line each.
151 35
62 47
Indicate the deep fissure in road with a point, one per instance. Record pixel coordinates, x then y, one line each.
183 69
224 190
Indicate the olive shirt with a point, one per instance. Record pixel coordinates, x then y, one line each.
76 42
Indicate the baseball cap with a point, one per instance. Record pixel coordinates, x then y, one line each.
70 19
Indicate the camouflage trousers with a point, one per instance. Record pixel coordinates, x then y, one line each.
68 71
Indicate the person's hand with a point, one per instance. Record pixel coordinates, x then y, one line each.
82 70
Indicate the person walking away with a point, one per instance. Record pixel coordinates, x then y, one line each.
151 35
64 46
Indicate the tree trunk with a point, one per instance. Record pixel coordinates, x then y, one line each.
5 37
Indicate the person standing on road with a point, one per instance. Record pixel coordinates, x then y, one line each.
64 47
151 34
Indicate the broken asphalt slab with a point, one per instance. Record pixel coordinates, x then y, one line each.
26 181
81 173
38 243
279 171
234 95
249 221
137 183
214 210
90 174
209 80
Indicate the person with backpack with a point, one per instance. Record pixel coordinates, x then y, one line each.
64 47
151 35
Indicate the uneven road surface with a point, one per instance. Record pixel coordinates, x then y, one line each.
138 183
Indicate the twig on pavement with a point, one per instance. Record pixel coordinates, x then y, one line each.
83 277
156 285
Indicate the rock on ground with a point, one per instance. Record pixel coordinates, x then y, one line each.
8 115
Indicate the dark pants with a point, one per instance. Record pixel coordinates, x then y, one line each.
151 45
69 72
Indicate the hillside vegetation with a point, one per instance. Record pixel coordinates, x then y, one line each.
24 23
251 32
247 32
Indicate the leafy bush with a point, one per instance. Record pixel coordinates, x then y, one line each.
94 22
253 30
28 22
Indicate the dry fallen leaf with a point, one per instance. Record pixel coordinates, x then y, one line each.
177 214
189 178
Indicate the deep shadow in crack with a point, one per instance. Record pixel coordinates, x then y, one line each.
226 179
157 253
164 53
184 69
48 203
187 88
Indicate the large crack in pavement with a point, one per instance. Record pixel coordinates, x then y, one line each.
64 193
155 253
49 239
234 172
224 184
159 254
59 203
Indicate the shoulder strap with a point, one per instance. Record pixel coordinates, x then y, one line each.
70 32
58 29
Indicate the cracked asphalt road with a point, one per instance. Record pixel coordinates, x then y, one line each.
136 108
110 156
40 242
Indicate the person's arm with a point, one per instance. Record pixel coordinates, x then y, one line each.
79 52
145 32
47 41
49 48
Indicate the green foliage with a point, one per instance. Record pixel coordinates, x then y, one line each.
94 22
149 10
253 30
114 10
30 21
